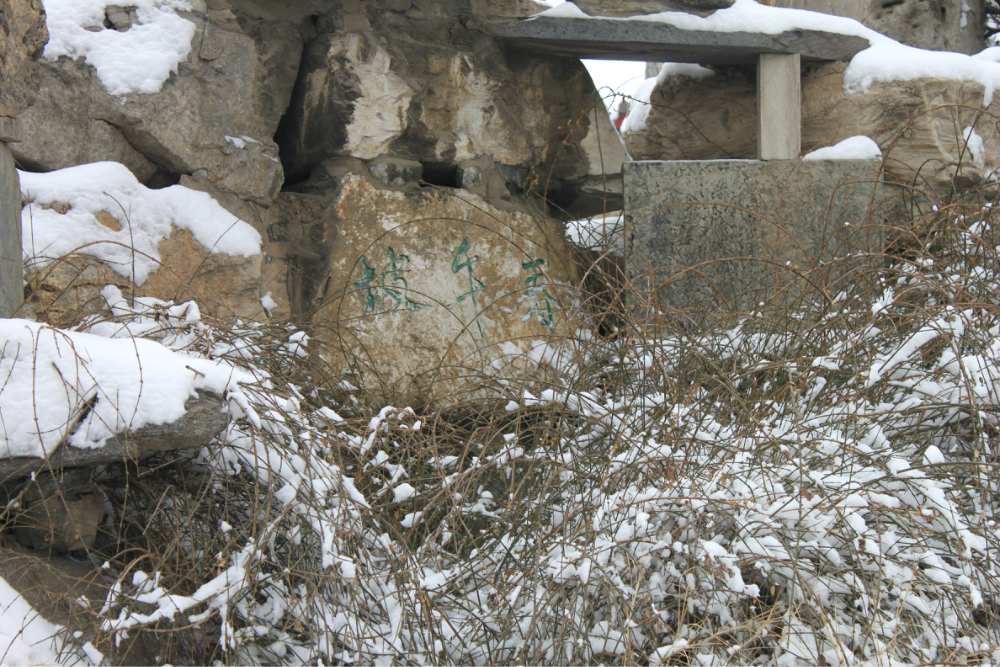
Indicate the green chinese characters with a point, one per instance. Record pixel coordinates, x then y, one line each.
387 291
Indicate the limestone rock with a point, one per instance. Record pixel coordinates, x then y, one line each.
224 286
507 8
217 114
940 25
22 37
918 124
65 292
61 512
462 286
424 87
637 7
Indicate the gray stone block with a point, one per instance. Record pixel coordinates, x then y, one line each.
11 264
715 238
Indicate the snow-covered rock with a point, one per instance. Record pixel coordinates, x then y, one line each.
918 123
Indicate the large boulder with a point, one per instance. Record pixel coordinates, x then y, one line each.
413 82
920 125
941 25
432 294
90 226
215 115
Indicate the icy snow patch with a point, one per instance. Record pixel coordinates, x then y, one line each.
599 233
885 60
138 60
852 148
403 493
990 54
25 637
975 144
127 383
143 218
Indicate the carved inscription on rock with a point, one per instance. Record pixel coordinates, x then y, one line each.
458 284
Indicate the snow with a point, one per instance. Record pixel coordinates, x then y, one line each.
852 148
241 141
52 375
974 144
268 303
25 637
138 60
135 219
403 493
991 54
600 233
886 60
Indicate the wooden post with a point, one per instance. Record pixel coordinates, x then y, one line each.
779 113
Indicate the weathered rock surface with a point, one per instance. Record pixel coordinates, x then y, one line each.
225 286
22 37
235 83
10 235
419 85
204 419
940 25
429 294
918 124
711 239
60 512
55 586
637 7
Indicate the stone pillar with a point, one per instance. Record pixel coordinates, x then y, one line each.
779 112
11 264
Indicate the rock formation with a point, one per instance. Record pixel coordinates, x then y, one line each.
940 25
365 142
920 125
278 110
637 7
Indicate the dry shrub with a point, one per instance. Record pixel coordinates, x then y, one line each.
816 484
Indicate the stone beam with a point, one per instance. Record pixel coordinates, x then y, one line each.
616 39
779 110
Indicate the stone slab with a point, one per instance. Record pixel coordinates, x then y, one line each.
616 39
11 264
204 418
712 238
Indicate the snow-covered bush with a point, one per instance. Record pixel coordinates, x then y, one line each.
820 488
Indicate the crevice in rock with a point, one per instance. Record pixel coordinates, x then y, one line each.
440 174
285 134
162 179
